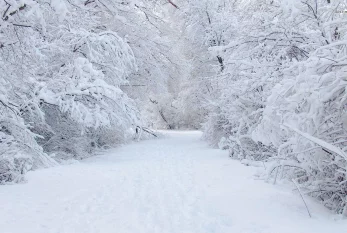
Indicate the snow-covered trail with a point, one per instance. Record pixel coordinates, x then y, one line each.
172 185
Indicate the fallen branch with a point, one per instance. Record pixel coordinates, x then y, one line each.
149 131
140 129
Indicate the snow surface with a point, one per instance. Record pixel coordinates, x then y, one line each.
176 184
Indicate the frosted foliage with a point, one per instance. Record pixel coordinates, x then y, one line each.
61 72
280 94
264 79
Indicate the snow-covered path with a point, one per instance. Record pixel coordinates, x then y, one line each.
172 185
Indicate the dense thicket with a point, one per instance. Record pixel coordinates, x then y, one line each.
277 93
67 69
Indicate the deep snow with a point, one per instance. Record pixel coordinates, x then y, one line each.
176 184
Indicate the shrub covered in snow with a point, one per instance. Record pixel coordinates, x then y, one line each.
280 95
61 71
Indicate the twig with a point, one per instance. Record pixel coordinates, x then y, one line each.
21 25
173 4
276 174
302 197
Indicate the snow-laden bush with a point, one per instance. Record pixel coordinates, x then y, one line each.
312 100
254 64
69 80
19 151
61 72
305 114
280 96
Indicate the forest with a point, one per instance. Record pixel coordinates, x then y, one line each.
264 80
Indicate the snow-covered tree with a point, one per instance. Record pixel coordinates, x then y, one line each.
62 70
281 78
